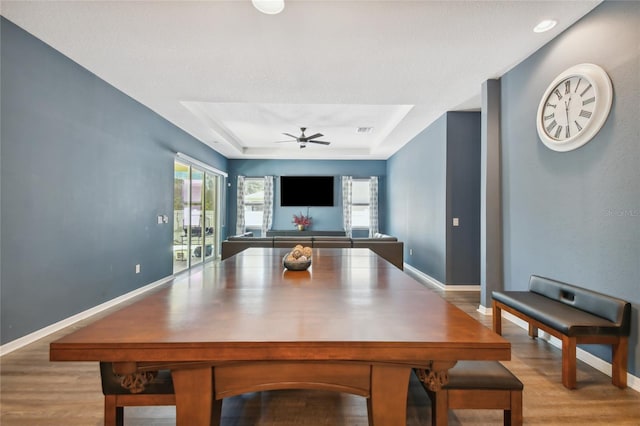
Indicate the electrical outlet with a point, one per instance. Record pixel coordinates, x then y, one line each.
456 221
410 252
160 219
138 268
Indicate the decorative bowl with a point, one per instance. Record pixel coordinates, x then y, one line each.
296 265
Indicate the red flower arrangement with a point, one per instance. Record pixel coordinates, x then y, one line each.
302 220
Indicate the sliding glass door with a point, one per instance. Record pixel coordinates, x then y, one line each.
195 230
196 217
212 184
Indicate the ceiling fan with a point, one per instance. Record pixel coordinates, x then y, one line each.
303 140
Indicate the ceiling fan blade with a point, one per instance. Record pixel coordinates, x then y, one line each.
320 142
290 135
317 135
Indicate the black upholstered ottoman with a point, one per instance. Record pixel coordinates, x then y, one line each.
479 385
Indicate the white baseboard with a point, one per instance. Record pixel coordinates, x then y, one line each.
421 276
43 332
599 364
484 310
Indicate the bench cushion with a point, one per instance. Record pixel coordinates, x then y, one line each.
557 315
482 375
615 310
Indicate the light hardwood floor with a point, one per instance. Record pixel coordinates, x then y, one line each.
34 391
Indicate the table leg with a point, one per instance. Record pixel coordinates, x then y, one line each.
195 404
387 404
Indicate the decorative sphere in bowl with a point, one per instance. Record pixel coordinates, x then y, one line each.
296 265
298 259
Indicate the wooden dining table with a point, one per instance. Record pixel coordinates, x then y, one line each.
351 323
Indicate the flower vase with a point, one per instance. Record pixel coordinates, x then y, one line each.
300 227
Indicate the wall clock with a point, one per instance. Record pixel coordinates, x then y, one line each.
574 107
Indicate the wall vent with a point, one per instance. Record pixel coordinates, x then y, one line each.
364 130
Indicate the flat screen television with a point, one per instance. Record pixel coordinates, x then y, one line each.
306 191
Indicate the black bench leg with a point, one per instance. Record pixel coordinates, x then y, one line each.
119 416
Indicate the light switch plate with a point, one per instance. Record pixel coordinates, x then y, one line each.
456 221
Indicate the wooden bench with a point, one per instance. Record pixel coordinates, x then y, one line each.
478 385
575 316
158 392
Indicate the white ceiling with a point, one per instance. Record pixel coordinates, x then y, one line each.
236 79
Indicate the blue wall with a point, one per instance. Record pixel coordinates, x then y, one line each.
463 198
324 218
575 216
85 172
431 180
417 207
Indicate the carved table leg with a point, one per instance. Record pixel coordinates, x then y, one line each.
436 374
434 377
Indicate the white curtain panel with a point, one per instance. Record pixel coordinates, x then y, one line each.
373 206
240 208
347 182
267 213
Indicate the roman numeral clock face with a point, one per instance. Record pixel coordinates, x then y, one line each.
574 107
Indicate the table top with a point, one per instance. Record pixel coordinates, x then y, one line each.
350 305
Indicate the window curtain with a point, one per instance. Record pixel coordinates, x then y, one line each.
240 209
267 213
346 204
373 206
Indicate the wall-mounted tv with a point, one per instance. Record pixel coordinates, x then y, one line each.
306 191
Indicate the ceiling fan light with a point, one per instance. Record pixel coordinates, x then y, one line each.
270 7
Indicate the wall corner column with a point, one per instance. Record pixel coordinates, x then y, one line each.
491 246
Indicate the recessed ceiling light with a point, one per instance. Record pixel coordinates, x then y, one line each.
545 25
270 7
